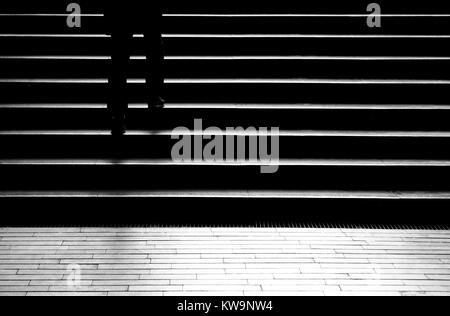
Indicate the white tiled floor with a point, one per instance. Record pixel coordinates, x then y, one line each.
227 261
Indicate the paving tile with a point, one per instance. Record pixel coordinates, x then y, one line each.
366 293
311 276
148 266
236 276
438 276
4 284
283 293
192 261
27 261
187 271
427 282
109 288
434 288
124 256
270 261
131 282
105 261
389 276
208 266
23 288
343 260
129 293
426 293
259 271
287 282
220 288
84 267
382 288
364 282
215 294
30 277
18 266
67 294
155 288
217 282
4 294
168 277
299 288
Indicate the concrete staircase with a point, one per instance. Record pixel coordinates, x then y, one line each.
363 114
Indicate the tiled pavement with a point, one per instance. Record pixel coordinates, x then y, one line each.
223 261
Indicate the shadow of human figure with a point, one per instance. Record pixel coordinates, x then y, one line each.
125 18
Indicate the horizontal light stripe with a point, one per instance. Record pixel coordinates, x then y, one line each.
229 36
56 81
282 133
303 81
301 58
250 15
239 81
61 57
294 36
250 58
283 162
49 15
303 106
57 35
237 106
257 15
233 194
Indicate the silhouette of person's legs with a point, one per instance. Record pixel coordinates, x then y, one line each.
118 27
118 102
155 55
123 20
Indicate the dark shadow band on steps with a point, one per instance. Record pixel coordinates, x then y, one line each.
195 211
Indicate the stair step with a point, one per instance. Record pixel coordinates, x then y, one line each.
284 116
294 133
231 194
235 91
202 6
145 174
235 81
242 207
231 36
56 58
250 44
242 23
282 163
231 106
293 144
286 67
